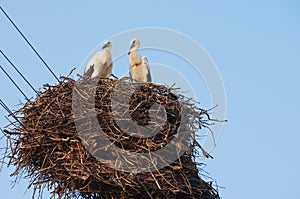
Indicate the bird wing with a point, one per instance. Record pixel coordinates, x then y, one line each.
89 71
100 61
149 78
92 61
130 74
145 62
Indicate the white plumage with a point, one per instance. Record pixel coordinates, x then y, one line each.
139 69
141 73
101 62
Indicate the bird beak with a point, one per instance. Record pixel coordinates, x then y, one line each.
131 46
105 46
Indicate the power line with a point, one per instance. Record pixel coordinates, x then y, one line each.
10 112
11 123
5 107
23 36
14 83
19 72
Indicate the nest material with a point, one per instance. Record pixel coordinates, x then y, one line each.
49 150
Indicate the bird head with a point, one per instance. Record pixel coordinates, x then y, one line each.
106 44
134 45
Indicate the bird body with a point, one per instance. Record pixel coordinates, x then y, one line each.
139 69
141 73
135 59
101 62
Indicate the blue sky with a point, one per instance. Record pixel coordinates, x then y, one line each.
255 45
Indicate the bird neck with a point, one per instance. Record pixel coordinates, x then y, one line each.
106 50
135 48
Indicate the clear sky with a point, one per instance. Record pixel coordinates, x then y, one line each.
255 45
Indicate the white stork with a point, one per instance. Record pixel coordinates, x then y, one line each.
139 69
101 63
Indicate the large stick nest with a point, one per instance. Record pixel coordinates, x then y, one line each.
48 148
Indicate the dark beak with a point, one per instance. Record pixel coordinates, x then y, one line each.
129 51
105 46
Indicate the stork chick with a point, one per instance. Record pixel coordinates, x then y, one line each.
139 69
101 63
